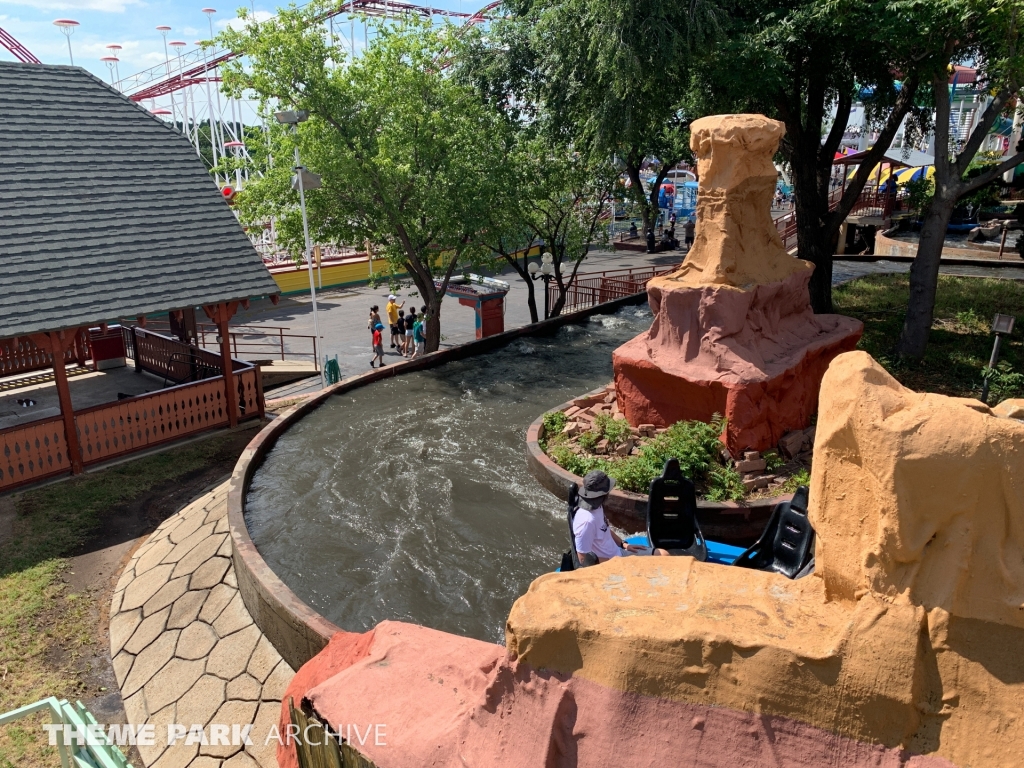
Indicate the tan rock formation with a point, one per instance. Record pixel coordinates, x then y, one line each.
733 332
1010 409
736 243
909 633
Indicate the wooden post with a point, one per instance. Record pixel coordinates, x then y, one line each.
56 342
221 314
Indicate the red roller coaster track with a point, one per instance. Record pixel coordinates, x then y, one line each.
200 72
21 53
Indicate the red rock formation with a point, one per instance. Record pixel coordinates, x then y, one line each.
733 331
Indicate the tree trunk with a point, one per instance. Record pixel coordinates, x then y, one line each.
433 320
531 299
924 280
813 244
524 273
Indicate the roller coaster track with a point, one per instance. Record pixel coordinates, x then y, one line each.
155 81
21 53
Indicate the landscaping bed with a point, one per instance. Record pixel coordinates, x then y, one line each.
590 433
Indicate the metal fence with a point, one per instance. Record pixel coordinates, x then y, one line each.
592 288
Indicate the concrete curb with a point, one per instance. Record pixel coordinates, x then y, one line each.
296 630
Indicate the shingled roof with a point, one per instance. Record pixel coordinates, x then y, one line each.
105 211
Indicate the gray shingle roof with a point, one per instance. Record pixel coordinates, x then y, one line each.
105 211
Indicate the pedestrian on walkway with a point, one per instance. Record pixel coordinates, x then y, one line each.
401 332
391 309
378 345
410 323
374 318
419 338
688 230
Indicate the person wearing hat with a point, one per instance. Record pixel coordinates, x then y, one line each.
378 345
392 312
594 539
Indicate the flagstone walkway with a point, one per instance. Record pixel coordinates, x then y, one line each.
185 649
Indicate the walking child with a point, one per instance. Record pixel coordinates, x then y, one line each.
378 345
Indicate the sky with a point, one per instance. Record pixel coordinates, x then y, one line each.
131 24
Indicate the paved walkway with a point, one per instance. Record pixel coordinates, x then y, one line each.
185 649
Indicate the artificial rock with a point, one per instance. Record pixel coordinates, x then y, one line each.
733 330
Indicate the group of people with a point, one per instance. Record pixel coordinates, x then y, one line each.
408 331
668 234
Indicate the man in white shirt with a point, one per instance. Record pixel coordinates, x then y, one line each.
595 541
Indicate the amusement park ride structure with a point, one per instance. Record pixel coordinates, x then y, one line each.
186 85
185 77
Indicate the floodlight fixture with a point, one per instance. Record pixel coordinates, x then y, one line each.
1003 323
292 116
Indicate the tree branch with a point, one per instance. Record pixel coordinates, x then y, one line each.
991 174
988 118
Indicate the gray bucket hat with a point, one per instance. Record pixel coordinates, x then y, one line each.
596 484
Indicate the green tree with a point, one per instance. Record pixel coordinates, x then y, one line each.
805 62
602 76
404 150
994 45
557 197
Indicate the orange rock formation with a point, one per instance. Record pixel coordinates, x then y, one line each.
902 649
907 635
733 331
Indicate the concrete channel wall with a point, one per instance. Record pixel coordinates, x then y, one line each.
296 630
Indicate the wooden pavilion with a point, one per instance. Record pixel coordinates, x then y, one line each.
108 213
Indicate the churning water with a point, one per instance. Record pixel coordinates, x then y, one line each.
410 499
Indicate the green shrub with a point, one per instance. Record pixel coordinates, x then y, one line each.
772 460
554 423
803 477
694 444
613 430
588 440
1003 381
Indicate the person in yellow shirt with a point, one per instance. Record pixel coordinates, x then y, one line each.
392 312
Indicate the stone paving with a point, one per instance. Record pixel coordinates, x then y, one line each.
185 649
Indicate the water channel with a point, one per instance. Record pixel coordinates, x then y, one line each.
410 499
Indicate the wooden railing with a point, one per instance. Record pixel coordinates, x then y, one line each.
20 355
38 450
113 429
593 288
169 358
32 451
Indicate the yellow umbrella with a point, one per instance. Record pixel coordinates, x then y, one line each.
911 174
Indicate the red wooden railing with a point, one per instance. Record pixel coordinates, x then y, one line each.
20 355
38 450
32 451
114 429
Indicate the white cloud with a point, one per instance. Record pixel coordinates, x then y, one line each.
106 6
237 23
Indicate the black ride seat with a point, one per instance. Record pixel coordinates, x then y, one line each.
672 514
571 559
787 544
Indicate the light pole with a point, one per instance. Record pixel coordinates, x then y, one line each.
303 180
544 271
179 46
1001 325
163 29
67 27
220 110
111 62
114 49
209 104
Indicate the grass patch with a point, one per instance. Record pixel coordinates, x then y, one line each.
960 342
44 627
